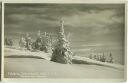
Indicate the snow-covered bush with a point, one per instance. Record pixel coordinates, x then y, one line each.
8 41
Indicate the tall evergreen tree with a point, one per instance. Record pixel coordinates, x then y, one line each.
62 52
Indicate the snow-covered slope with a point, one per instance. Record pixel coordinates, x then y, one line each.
94 62
25 53
76 59
23 63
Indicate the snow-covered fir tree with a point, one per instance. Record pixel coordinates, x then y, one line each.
61 52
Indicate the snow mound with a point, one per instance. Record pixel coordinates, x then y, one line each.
90 61
25 53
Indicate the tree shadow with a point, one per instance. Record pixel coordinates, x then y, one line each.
23 56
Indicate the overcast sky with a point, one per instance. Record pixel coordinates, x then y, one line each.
98 24
0 15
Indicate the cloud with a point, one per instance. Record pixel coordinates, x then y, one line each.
93 45
88 22
82 50
94 20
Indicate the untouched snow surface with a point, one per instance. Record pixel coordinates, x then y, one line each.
23 63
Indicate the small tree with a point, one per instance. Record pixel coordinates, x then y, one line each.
22 42
8 42
38 42
28 42
102 58
111 58
46 43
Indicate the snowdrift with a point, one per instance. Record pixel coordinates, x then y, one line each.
85 60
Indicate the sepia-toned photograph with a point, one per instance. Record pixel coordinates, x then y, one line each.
0 36
64 40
